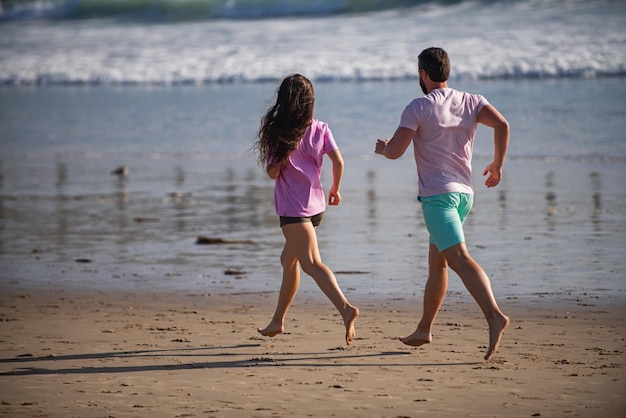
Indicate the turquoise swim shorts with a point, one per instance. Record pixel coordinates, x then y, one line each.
444 215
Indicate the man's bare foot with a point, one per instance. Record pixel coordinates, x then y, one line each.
417 338
496 329
271 330
349 320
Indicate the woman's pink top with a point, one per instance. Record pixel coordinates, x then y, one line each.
298 190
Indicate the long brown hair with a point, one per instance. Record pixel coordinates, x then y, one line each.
286 121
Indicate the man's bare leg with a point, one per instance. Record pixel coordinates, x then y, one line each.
303 240
434 294
350 316
496 329
288 290
477 283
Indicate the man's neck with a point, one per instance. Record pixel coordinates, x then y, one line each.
436 86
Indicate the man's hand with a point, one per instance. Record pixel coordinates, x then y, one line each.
495 174
381 144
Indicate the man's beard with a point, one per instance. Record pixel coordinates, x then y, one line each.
423 86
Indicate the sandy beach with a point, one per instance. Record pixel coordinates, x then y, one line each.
93 354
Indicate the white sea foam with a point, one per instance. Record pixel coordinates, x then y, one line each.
522 39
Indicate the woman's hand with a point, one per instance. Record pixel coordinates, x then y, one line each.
334 197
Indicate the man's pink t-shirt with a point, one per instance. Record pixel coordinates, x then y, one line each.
298 189
445 123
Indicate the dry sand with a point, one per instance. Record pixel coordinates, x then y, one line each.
140 354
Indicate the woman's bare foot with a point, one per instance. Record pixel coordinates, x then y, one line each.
496 329
271 330
351 315
417 338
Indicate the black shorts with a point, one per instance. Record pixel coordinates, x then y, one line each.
316 220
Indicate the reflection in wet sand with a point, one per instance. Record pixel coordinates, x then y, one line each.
3 215
551 203
502 206
179 177
596 213
370 179
122 196
61 211
184 201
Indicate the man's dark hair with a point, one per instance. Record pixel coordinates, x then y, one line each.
436 63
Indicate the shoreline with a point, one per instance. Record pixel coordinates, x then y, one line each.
91 353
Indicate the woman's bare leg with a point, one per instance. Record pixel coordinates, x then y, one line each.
288 290
302 240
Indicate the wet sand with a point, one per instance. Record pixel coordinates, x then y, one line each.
179 354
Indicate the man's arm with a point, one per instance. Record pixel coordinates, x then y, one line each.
334 197
394 148
490 117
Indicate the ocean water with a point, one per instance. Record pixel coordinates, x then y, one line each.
124 42
175 90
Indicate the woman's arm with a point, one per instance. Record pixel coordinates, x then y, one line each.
273 170
334 197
